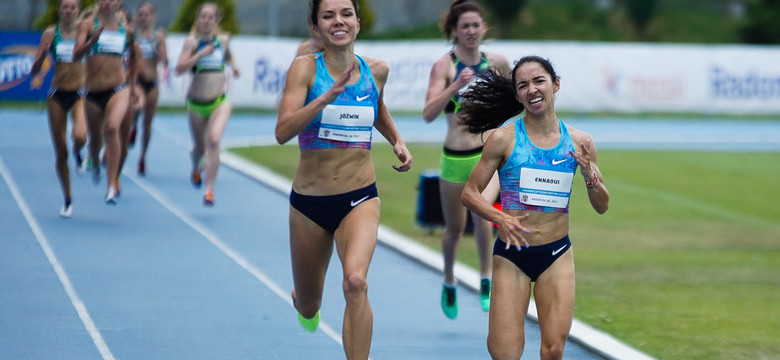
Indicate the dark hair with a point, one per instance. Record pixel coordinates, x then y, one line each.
314 8
491 100
458 8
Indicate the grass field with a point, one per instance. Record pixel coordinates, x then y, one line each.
684 265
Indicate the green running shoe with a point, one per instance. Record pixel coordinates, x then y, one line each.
449 302
484 294
309 325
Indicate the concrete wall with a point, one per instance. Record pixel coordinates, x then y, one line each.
254 16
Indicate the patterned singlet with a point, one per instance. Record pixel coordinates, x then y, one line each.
454 105
537 179
348 121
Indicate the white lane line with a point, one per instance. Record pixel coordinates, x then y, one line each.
81 309
594 340
234 255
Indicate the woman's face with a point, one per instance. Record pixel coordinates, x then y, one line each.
144 16
68 10
207 19
535 88
108 6
470 29
337 22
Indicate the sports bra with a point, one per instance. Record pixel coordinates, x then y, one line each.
537 179
148 45
348 121
110 42
211 62
454 105
62 49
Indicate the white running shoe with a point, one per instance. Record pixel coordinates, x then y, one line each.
66 211
111 196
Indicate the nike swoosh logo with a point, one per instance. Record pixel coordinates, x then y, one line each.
355 203
361 98
555 252
556 162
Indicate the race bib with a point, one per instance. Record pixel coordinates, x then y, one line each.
147 49
64 51
111 42
548 188
347 123
214 60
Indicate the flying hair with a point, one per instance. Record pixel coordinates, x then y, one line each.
491 99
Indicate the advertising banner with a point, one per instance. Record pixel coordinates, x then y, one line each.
626 78
17 54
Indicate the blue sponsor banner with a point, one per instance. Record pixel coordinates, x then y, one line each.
17 54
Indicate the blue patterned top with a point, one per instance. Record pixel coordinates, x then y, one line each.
528 157
358 100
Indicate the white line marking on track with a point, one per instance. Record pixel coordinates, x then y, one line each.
587 336
215 240
81 309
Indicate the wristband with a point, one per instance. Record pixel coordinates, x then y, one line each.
592 183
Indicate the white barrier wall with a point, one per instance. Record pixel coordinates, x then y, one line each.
595 77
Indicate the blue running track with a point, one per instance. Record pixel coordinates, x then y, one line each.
159 276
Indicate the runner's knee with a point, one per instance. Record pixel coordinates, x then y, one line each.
355 286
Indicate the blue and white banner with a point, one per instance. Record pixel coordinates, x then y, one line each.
17 54
595 77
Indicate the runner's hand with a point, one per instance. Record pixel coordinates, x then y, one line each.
404 156
512 231
339 86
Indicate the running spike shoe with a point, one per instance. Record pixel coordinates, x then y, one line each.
111 196
449 301
309 325
484 294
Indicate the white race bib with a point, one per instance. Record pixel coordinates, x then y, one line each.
111 42
347 123
64 51
548 188
147 49
213 61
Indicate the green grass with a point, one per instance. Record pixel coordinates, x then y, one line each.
576 20
684 265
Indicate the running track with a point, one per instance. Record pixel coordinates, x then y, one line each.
161 277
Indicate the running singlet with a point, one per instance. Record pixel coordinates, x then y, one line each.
538 179
348 121
110 42
62 49
211 62
147 45
454 105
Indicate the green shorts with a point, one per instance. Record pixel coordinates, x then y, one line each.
204 110
456 165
